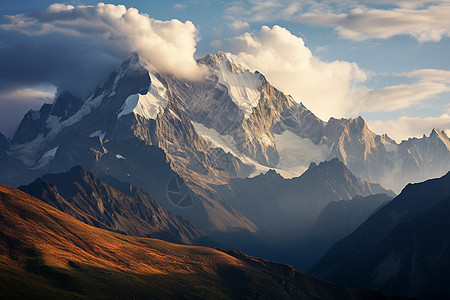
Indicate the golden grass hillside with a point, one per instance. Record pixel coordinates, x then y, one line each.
46 253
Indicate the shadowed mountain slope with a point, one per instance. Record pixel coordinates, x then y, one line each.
90 200
404 248
285 210
271 201
339 219
45 252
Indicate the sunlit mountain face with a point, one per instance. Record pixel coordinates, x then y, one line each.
217 157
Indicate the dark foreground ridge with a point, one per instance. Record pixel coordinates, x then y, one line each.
403 249
45 252
79 194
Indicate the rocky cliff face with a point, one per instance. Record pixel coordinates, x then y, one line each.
426 157
4 144
90 200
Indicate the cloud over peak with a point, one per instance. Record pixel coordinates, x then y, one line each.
327 88
74 47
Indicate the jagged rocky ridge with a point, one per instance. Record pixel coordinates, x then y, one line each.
239 111
79 194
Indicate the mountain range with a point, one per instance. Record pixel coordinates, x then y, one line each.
228 160
231 123
337 220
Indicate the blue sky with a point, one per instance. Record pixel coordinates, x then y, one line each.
387 62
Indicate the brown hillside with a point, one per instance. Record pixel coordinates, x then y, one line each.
44 252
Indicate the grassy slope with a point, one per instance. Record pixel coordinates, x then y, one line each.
46 252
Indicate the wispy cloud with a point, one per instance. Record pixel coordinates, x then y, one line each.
424 20
429 24
238 25
434 75
404 3
397 97
262 10
180 6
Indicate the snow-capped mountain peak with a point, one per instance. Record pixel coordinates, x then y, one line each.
238 113
243 86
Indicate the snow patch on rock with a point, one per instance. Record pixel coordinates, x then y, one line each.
149 105
242 86
390 147
288 167
46 158
55 125
28 152
216 140
99 133
297 153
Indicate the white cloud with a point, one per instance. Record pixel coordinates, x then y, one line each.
425 20
239 26
405 3
328 89
396 97
168 45
180 6
405 127
435 75
262 10
321 49
429 24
